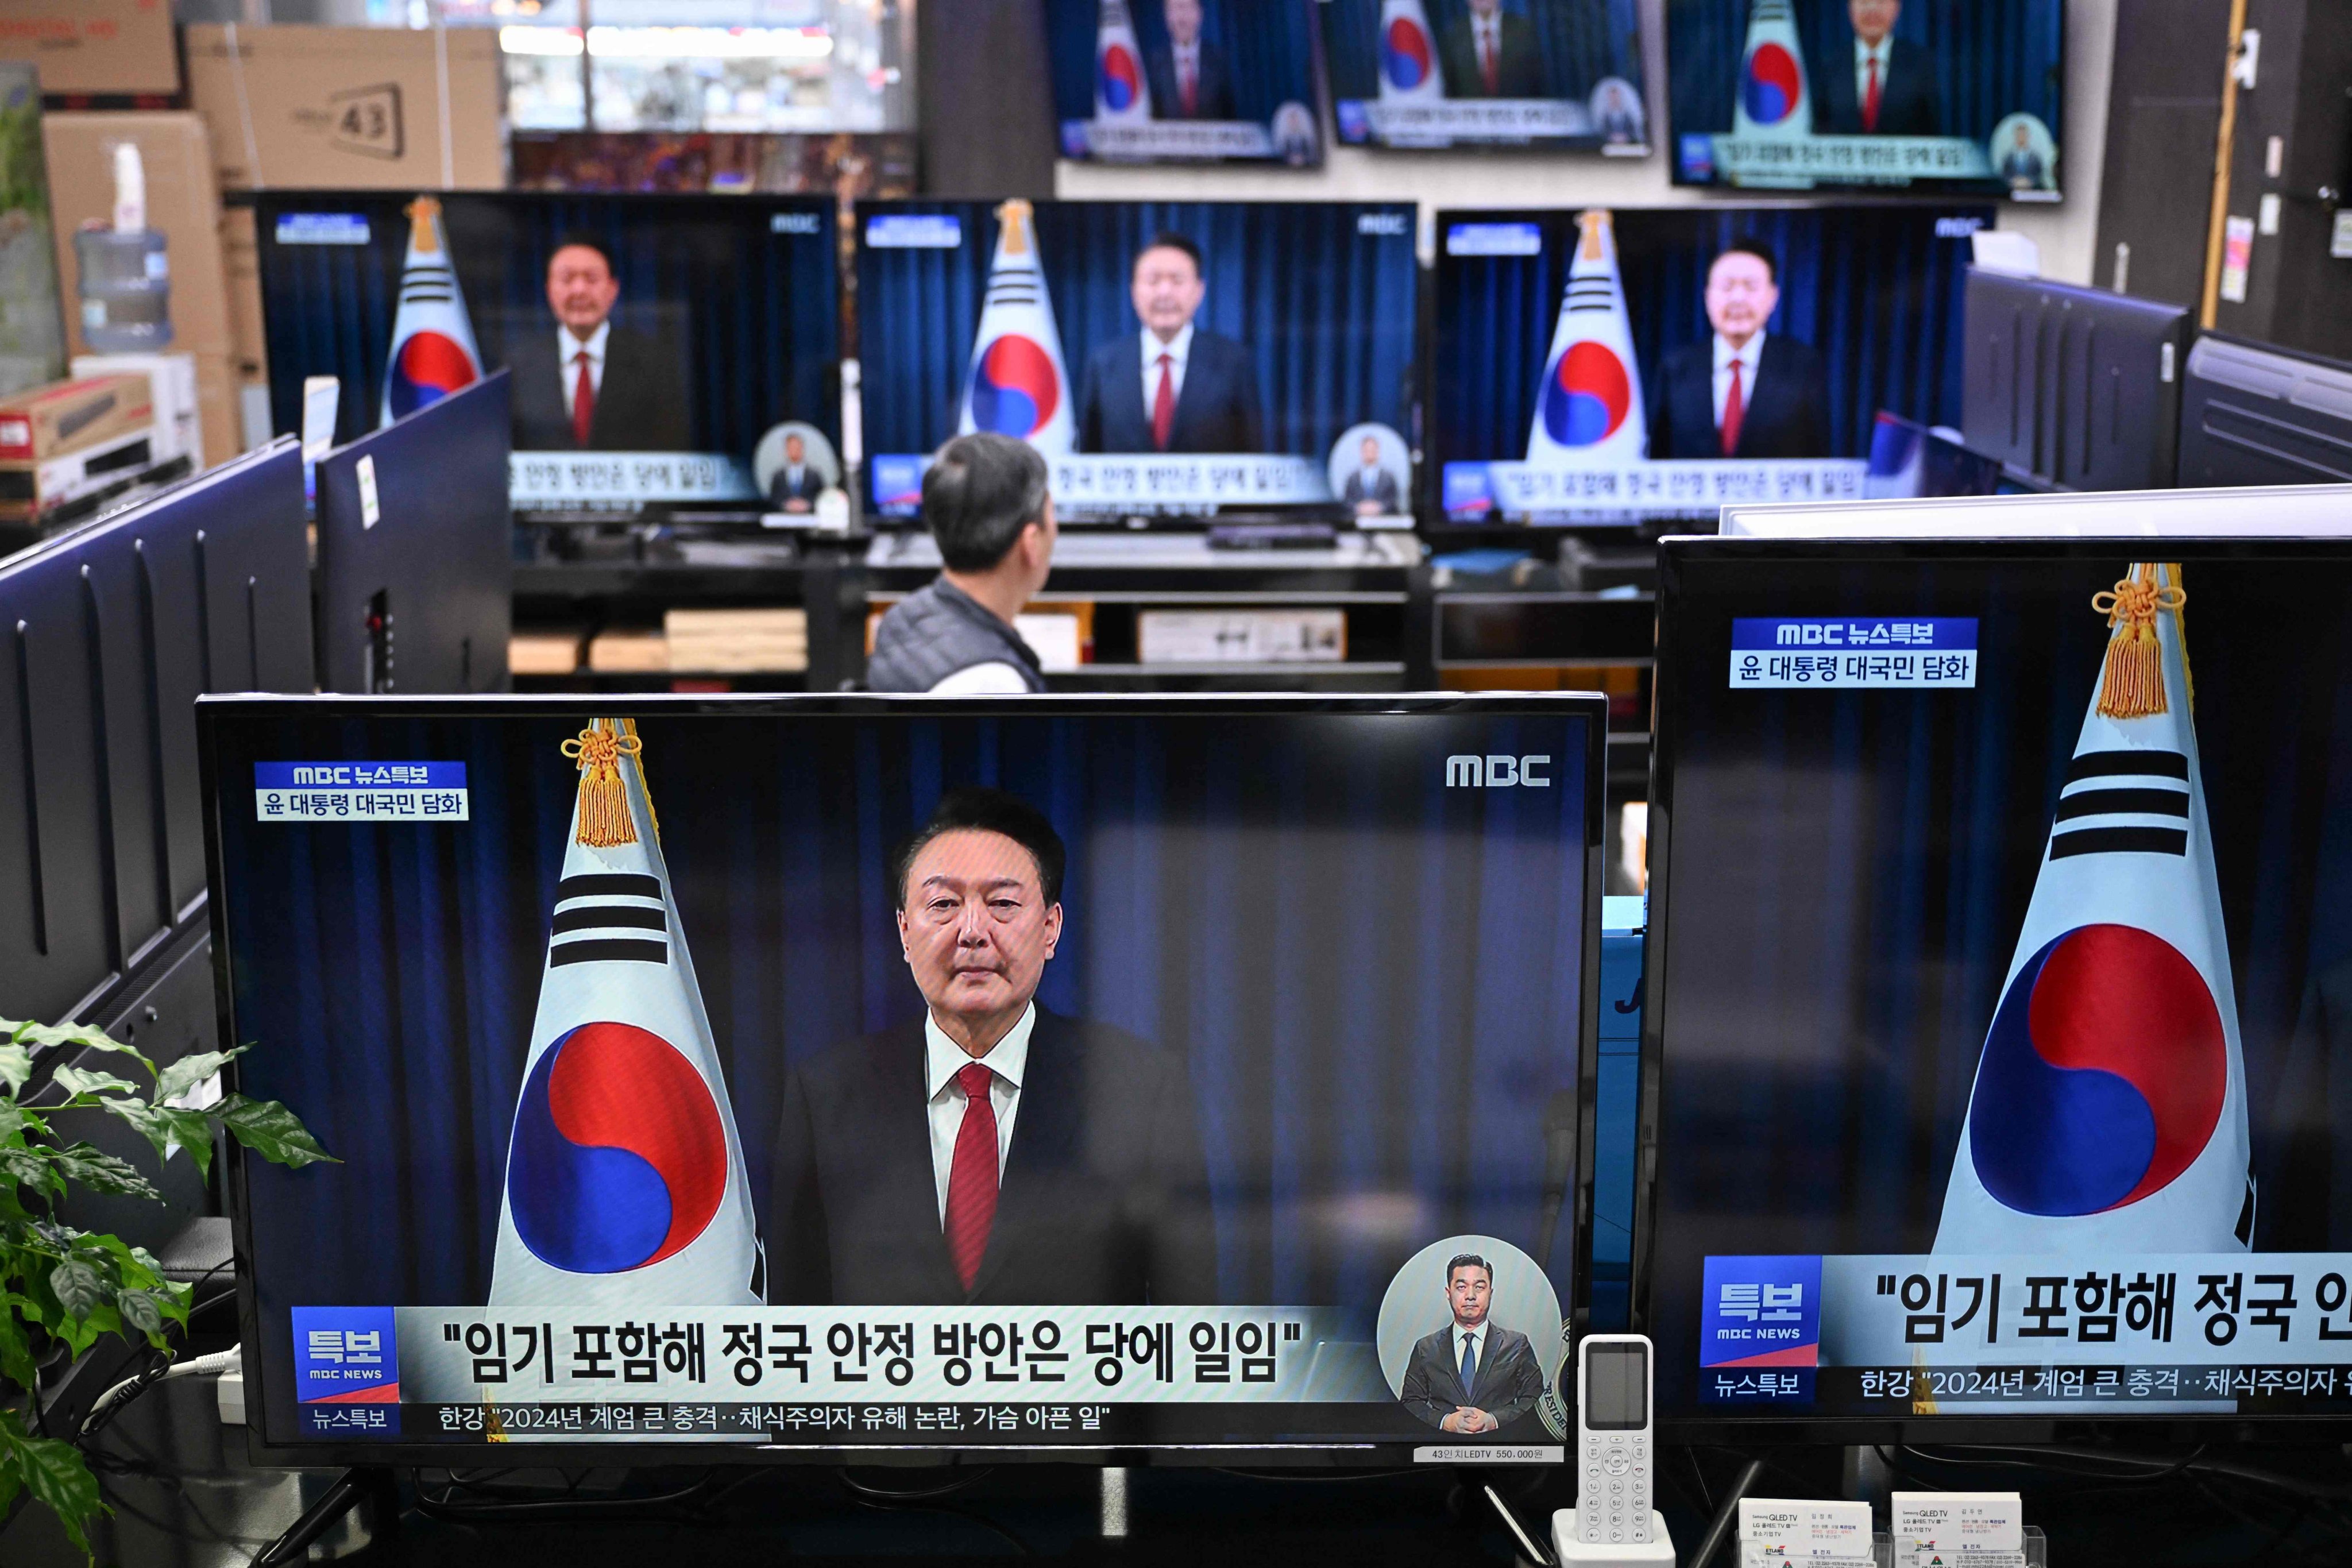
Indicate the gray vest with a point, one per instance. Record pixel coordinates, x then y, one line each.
936 631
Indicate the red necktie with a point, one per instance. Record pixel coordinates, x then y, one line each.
1487 71
1870 98
1163 403
583 402
972 1179
1732 410
1192 91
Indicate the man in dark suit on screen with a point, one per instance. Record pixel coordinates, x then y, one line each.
1190 78
1472 1375
993 1153
1744 392
1173 387
589 384
1887 89
1488 52
1372 490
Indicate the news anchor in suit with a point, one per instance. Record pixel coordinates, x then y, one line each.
1175 386
1190 78
1488 52
798 482
1889 86
993 1153
590 385
1372 489
1472 1375
1744 392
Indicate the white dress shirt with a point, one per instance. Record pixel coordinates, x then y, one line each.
1461 1335
1188 69
1178 350
1862 55
1487 40
570 348
943 1060
1750 354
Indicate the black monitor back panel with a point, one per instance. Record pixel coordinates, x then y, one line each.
416 588
107 636
2077 386
2254 415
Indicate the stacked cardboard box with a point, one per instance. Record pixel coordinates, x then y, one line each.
738 642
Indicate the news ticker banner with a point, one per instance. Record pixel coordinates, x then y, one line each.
1894 160
1186 139
359 792
1438 122
382 1358
624 481
1157 482
1617 492
1851 652
1934 1333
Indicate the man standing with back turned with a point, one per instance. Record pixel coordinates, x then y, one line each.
986 504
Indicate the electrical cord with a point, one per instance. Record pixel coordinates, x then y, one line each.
107 1404
892 1494
882 1500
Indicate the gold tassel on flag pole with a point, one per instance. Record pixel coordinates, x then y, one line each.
2133 684
605 819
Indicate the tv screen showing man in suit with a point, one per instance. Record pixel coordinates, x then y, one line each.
1141 81
685 328
587 384
1491 52
1173 360
1459 73
1783 94
1191 78
1175 386
1608 367
1474 1376
1122 1067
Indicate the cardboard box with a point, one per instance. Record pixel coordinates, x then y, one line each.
179 407
67 416
350 108
98 47
182 205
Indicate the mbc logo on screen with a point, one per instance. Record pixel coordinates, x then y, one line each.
1497 773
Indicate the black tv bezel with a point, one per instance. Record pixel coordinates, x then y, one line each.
213 711
1993 189
1757 1428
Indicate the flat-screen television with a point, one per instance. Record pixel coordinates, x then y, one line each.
1469 73
1172 359
1944 95
1184 80
1995 999
2254 415
797 1076
2078 386
705 330
1602 367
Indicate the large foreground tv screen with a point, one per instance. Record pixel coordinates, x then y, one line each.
840 1073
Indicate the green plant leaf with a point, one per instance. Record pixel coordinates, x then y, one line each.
179 1077
34 1168
35 1037
16 1063
77 1287
101 1172
168 1127
270 1131
53 1471
86 1081
141 1311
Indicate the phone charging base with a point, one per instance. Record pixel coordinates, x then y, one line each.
1658 1551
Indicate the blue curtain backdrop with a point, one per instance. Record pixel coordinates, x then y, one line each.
1850 871
1996 57
1374 977
1328 308
751 310
1270 44
1582 41
1875 290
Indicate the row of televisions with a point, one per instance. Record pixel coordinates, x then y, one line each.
1770 94
1554 367
1977 1075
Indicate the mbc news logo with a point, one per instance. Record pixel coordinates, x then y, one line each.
1498 772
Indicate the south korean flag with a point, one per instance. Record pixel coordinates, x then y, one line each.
2108 1114
625 1182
